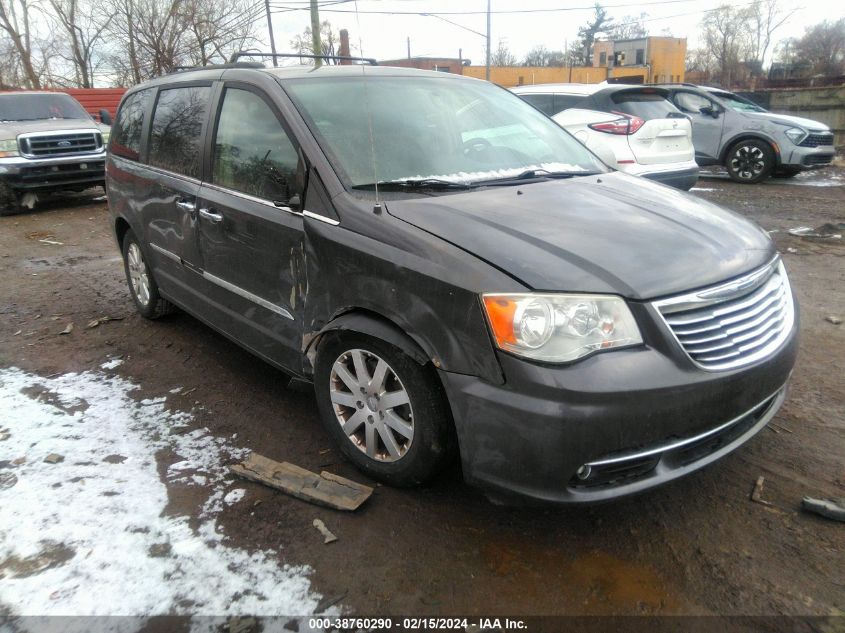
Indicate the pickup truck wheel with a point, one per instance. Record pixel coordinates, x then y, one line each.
386 412
142 285
10 202
750 161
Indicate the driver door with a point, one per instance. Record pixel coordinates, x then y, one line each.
706 127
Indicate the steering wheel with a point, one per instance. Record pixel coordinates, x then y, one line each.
476 146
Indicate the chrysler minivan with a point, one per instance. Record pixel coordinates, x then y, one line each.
455 274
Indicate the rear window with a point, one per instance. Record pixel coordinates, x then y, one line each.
176 135
543 102
644 104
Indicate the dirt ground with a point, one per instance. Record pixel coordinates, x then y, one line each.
697 546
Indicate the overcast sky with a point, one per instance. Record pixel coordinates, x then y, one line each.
384 36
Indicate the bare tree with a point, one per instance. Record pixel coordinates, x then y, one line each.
502 56
84 23
725 35
304 43
219 27
600 23
765 17
630 27
16 21
822 48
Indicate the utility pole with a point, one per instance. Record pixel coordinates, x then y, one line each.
409 48
316 42
270 28
487 68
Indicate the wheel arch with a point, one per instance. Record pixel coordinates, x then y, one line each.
121 228
363 321
750 136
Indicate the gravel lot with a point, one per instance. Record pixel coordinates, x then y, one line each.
177 402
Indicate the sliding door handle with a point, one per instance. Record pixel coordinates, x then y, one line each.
211 216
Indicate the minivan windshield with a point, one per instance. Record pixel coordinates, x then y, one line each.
737 103
388 129
35 107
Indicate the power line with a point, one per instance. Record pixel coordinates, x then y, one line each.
280 5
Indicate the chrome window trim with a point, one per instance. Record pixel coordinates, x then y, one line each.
321 218
246 294
246 196
162 171
775 400
693 300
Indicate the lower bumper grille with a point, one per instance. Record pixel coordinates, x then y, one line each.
733 324
627 467
52 176
818 159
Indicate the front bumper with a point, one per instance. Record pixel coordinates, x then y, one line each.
638 417
808 157
66 172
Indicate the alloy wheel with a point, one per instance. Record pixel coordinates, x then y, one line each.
371 405
138 275
748 162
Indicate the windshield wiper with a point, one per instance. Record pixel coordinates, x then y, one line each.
411 184
534 174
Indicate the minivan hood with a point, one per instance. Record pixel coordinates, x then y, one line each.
11 129
788 119
611 233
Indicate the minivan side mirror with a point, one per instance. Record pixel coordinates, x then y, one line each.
105 117
295 203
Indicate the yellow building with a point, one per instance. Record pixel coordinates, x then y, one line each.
656 59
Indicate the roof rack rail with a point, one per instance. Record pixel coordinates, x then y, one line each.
185 69
236 56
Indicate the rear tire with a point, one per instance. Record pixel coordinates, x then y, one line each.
386 412
142 285
749 162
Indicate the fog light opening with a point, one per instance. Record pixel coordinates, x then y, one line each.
584 472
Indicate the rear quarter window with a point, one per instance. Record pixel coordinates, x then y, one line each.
176 134
646 105
543 102
126 131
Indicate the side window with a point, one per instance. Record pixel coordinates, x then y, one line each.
176 136
690 102
126 131
252 151
544 103
564 102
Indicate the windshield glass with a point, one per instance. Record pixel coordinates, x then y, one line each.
432 128
30 107
735 102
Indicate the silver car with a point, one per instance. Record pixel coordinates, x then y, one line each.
751 142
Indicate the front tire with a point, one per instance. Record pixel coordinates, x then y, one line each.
10 202
749 162
386 412
142 285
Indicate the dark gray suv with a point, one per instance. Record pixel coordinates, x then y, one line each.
455 273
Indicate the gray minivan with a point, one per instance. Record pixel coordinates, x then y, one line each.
751 142
454 272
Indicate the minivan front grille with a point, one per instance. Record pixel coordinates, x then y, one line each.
733 324
817 140
64 144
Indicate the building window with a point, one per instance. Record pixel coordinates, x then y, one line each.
602 59
442 69
640 56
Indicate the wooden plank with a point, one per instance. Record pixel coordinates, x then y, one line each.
325 489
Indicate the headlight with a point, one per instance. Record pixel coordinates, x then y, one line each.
106 136
558 328
8 147
796 135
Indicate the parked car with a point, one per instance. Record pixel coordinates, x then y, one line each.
751 142
48 143
454 272
648 136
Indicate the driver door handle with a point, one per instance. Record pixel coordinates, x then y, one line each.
211 216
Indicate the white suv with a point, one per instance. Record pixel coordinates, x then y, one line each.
648 136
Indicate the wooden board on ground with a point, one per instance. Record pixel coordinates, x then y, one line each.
324 489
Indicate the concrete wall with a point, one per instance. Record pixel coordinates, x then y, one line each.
821 104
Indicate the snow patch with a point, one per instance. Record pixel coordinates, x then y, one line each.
113 363
90 537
